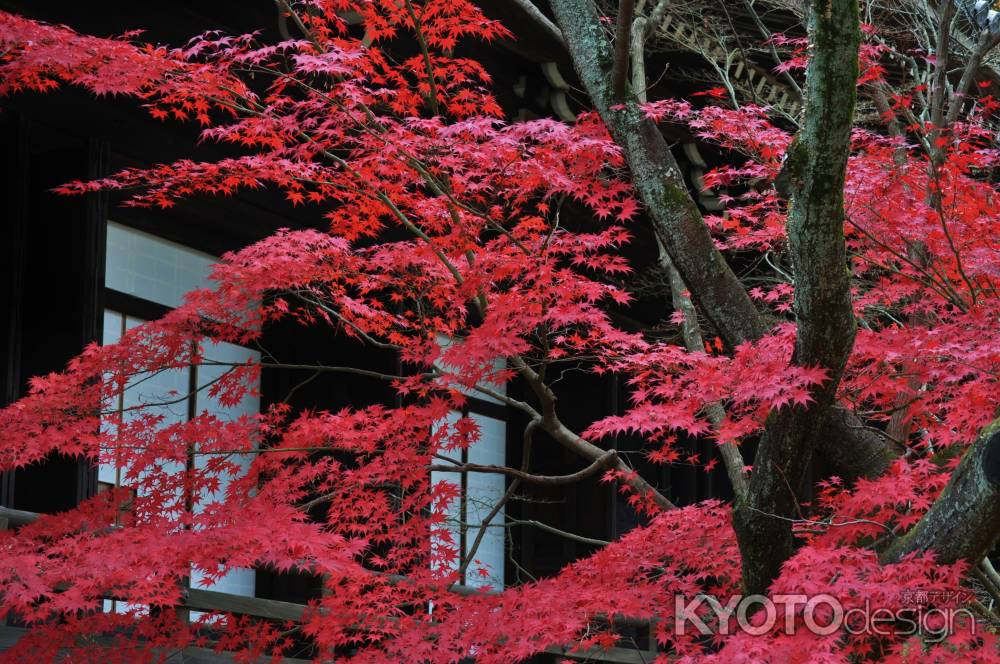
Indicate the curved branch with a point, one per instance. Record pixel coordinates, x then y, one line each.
571 441
607 460
536 15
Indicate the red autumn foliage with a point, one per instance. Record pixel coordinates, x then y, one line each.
417 149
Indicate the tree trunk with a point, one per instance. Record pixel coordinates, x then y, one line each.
823 308
815 170
851 450
658 180
964 522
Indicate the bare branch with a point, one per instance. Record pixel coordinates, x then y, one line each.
987 42
547 528
938 90
606 460
766 34
623 31
542 20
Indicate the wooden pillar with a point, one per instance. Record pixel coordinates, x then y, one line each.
14 186
55 295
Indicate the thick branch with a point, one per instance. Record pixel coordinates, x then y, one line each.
607 460
680 297
987 41
536 15
674 215
656 17
853 451
938 91
658 180
964 522
568 439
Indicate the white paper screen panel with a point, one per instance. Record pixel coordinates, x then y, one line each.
161 271
152 268
237 581
482 492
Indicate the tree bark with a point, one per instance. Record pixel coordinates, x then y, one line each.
853 451
815 170
816 235
658 180
964 522
682 231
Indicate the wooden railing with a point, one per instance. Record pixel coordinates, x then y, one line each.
196 599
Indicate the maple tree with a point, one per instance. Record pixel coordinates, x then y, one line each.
874 343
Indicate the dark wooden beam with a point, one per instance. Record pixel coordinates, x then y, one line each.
268 609
9 636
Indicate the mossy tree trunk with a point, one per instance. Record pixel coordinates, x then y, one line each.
814 172
823 308
678 223
964 522
658 180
